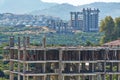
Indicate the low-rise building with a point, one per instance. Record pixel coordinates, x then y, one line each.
61 63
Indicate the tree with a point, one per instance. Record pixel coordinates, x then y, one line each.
117 27
107 26
88 43
102 25
102 40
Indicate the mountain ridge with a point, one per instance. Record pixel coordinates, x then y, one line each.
37 7
23 6
106 9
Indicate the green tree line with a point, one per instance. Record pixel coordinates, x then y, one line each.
111 29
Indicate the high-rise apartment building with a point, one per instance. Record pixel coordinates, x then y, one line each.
87 20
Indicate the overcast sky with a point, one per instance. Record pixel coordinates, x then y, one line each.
79 2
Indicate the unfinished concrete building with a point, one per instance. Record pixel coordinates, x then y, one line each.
61 63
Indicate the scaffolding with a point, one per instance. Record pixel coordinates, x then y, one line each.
61 63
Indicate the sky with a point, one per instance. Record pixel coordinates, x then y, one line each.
73 2
1 2
79 2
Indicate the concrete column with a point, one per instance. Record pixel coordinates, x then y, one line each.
24 48
63 77
93 77
60 64
18 57
11 66
24 67
106 56
24 77
18 71
18 54
11 76
105 66
118 65
79 67
90 77
24 42
118 77
44 42
78 77
119 71
11 43
44 64
99 77
44 77
93 67
79 56
34 77
27 77
111 66
18 77
24 56
27 66
79 63
44 67
19 43
83 77
45 54
28 41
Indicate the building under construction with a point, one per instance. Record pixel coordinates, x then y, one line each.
61 63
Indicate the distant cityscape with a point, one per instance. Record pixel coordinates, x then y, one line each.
85 20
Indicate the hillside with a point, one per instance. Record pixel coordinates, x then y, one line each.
63 10
23 6
53 9
60 10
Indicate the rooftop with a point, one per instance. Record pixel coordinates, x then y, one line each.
113 43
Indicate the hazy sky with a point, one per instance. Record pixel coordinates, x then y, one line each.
79 2
1 2
74 2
